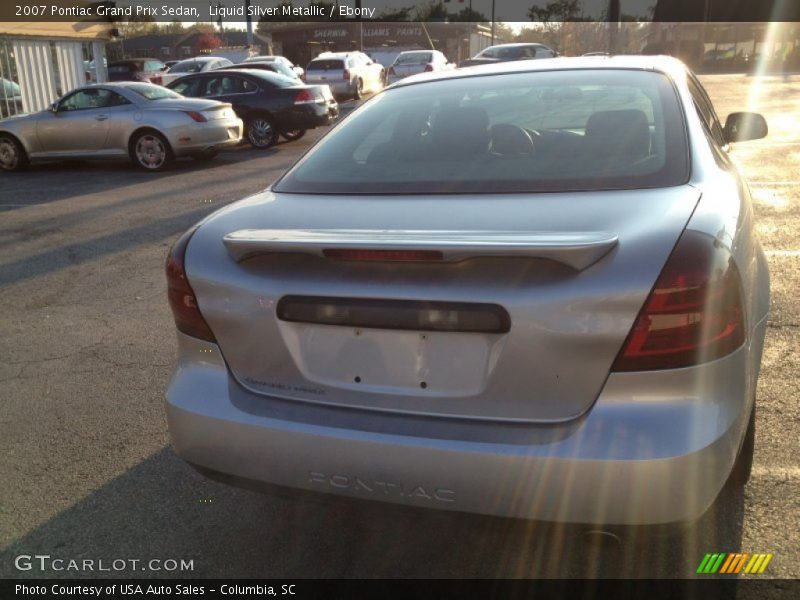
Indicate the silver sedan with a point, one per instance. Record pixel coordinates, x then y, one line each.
531 290
147 123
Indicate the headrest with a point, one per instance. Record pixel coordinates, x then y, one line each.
623 133
461 131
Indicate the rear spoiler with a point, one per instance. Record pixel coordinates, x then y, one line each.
574 249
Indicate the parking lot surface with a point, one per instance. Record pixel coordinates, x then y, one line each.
88 345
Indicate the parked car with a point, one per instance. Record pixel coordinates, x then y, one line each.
506 52
269 104
90 70
349 74
413 62
198 64
10 98
274 66
144 122
149 70
531 290
278 59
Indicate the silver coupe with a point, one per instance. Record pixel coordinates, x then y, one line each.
530 289
148 123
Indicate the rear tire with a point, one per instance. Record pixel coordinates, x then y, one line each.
294 135
12 155
743 466
359 91
151 151
261 132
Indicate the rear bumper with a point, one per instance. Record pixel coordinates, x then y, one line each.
655 448
212 135
309 116
339 87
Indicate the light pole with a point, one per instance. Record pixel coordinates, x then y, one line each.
492 23
613 25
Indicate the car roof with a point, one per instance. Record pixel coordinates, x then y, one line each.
515 45
664 64
258 73
132 61
201 59
337 54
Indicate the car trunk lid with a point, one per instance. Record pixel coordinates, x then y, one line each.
505 307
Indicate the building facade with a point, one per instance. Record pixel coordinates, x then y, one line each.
41 61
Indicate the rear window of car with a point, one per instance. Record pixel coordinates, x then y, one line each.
504 52
275 79
565 130
120 69
328 64
414 58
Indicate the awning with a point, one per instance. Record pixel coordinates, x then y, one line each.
73 30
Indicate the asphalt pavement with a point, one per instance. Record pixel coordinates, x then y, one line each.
88 344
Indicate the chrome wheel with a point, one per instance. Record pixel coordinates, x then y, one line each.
261 132
151 151
9 154
359 89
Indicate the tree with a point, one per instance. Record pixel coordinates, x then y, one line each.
469 15
395 14
434 10
173 27
559 10
207 42
136 26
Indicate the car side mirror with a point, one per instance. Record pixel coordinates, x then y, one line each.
54 107
744 126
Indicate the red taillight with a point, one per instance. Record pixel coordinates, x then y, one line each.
428 68
180 294
346 75
694 313
303 97
196 116
383 255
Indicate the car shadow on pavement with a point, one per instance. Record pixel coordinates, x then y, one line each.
52 181
161 509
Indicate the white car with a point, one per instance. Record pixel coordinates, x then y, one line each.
198 64
299 71
417 61
348 74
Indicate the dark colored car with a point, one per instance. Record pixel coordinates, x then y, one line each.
274 66
506 52
136 69
269 104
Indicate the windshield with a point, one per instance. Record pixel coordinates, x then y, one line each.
152 92
413 58
536 131
501 52
187 66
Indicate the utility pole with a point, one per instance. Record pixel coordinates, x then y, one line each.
249 23
613 25
492 23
